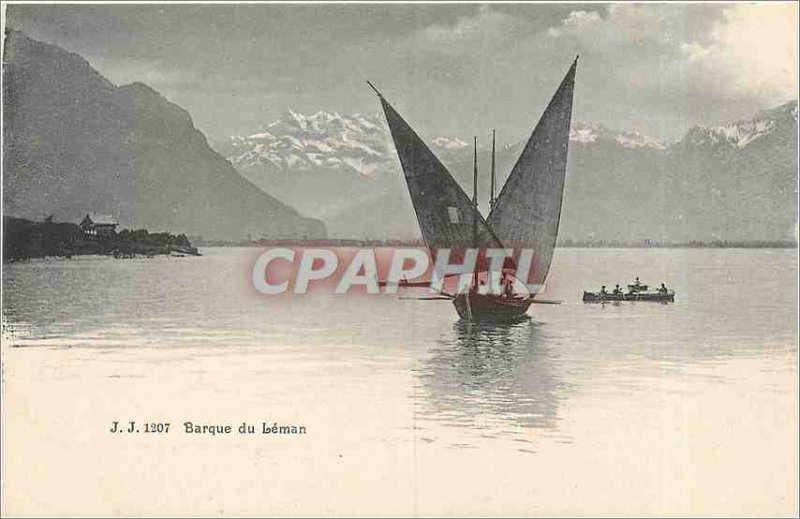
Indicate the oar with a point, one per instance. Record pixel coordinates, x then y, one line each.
426 298
407 284
546 302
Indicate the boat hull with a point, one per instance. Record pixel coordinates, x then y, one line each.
482 307
594 297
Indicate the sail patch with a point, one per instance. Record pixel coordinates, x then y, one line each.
454 214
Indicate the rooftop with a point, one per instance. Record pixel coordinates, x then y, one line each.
102 219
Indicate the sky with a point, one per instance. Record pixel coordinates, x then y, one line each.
449 69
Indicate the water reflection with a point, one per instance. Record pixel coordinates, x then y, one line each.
489 375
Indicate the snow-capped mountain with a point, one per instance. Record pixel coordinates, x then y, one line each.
362 144
734 181
743 133
584 133
297 142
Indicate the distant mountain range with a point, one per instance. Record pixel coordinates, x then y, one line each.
731 182
75 143
334 167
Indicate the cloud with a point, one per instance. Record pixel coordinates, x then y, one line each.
753 51
576 21
658 68
694 51
632 28
744 50
581 19
671 66
456 54
466 33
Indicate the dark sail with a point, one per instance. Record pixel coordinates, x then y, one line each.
444 211
527 211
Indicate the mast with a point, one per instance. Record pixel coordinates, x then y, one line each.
491 193
475 173
475 214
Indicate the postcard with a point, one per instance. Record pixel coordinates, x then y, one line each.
400 259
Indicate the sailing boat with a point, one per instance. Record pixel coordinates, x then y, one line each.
524 215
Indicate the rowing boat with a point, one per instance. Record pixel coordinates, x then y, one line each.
659 297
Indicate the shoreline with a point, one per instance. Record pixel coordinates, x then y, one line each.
599 245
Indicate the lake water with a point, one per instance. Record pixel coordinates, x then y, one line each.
689 408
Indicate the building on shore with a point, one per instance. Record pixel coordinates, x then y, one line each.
98 225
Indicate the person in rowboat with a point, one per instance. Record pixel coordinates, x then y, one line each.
617 291
663 289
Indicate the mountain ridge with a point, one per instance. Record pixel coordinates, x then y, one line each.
600 158
738 133
742 133
74 143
